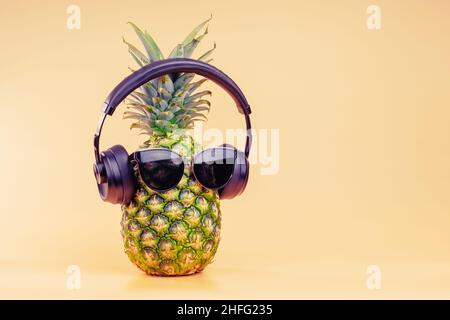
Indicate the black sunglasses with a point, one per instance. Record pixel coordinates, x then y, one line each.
162 169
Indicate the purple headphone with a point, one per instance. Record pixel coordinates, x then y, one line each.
115 179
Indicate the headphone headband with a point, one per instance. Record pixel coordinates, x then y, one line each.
168 66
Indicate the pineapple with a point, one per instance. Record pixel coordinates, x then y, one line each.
174 232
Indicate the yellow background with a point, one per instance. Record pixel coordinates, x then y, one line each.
364 155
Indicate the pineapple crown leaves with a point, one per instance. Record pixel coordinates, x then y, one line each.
170 102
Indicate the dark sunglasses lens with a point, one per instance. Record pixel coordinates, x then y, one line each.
160 169
213 167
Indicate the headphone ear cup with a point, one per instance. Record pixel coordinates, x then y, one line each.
238 181
119 182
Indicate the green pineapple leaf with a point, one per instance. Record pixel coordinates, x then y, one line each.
183 80
153 51
207 54
144 127
167 84
136 107
137 55
139 96
191 87
163 93
197 103
194 32
189 48
176 52
134 115
197 96
188 45
166 115
149 90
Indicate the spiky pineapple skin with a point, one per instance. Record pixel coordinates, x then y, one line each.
176 232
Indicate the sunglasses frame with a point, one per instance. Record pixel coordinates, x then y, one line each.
184 163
